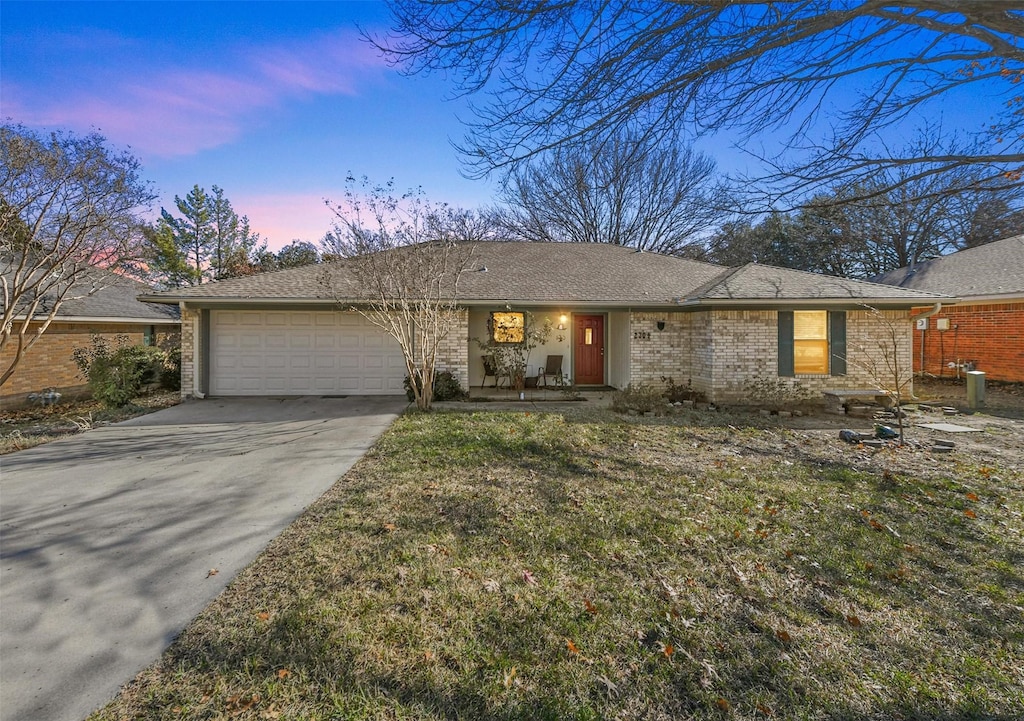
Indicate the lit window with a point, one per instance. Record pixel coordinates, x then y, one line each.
508 327
810 342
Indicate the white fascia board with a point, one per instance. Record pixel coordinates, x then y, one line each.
775 303
104 319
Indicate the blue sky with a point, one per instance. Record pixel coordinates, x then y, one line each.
275 102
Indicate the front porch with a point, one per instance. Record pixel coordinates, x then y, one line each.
593 346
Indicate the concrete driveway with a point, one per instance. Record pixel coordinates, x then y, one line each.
107 538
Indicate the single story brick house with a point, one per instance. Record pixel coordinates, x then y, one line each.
626 317
985 329
111 310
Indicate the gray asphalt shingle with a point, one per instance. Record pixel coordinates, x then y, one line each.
991 269
598 273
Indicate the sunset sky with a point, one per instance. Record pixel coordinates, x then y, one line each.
275 102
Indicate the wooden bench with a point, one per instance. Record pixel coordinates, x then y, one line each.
846 396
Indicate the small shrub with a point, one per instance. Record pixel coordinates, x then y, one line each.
170 373
776 391
639 398
569 391
116 376
679 393
446 387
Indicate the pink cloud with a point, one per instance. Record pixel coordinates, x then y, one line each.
332 64
281 218
181 111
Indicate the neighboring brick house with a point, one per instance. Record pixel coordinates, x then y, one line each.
984 330
111 311
620 316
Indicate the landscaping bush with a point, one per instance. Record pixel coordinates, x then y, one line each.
446 387
676 393
116 376
170 373
638 398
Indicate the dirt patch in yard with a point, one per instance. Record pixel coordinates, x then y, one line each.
32 426
997 437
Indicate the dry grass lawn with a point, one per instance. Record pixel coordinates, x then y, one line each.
581 565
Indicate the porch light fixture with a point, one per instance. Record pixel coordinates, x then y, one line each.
661 325
562 320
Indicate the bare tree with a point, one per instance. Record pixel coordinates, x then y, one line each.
652 196
402 259
888 362
558 74
70 206
865 229
992 220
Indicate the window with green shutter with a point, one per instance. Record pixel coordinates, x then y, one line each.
812 342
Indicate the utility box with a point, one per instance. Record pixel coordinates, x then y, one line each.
942 323
975 389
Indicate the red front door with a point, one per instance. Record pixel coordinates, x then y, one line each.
588 351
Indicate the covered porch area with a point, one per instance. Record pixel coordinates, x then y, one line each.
550 347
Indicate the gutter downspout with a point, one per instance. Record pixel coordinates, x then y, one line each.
921 316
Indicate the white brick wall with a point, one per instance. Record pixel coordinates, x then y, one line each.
189 343
720 352
453 353
681 351
746 348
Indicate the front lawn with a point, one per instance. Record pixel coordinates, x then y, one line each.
584 566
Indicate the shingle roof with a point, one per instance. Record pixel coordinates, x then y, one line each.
596 273
991 269
515 271
103 294
766 282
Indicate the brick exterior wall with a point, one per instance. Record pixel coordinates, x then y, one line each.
720 352
189 342
681 351
49 364
453 354
990 335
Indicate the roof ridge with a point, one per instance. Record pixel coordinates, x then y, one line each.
702 290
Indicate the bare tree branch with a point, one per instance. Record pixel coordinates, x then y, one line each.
557 74
402 260
658 197
68 205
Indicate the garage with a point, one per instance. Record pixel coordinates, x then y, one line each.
272 352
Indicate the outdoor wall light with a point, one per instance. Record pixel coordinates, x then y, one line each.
562 320
661 325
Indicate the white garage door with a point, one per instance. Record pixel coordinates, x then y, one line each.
301 353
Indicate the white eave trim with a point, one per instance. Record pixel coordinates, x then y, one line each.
809 302
103 319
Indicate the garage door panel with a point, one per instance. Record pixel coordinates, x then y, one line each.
301 352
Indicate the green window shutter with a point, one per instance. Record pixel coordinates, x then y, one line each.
837 342
786 343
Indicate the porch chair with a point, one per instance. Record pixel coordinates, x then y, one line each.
490 369
552 368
